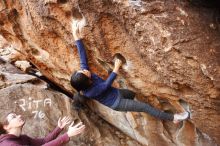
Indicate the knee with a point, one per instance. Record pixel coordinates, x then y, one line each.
132 94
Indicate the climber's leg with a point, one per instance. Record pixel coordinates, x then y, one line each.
137 106
127 94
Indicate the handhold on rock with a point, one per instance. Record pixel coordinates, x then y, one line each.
120 57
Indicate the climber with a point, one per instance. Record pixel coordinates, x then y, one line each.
11 128
91 86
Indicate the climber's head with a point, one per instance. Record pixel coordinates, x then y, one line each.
80 80
11 122
85 72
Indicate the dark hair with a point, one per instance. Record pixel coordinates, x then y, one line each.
4 122
2 130
79 81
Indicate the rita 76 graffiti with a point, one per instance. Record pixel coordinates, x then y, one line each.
34 106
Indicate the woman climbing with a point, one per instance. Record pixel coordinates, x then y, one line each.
91 86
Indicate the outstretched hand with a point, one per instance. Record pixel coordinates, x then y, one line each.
75 130
63 122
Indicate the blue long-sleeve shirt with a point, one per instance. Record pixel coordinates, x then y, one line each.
100 90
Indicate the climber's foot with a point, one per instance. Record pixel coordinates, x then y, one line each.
181 117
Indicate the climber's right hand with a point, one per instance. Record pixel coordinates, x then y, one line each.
76 129
118 64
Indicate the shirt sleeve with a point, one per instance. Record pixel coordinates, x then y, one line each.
59 141
51 136
96 78
82 55
101 87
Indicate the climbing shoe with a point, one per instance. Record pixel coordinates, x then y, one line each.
181 117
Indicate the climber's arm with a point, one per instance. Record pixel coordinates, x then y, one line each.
80 46
82 55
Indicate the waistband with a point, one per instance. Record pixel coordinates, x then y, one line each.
115 104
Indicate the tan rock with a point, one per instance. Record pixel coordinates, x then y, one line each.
171 53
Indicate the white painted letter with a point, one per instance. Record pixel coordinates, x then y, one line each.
23 104
47 101
37 103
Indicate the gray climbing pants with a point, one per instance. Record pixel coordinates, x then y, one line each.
127 103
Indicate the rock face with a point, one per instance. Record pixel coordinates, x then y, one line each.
171 49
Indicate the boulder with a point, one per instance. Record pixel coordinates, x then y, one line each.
171 50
